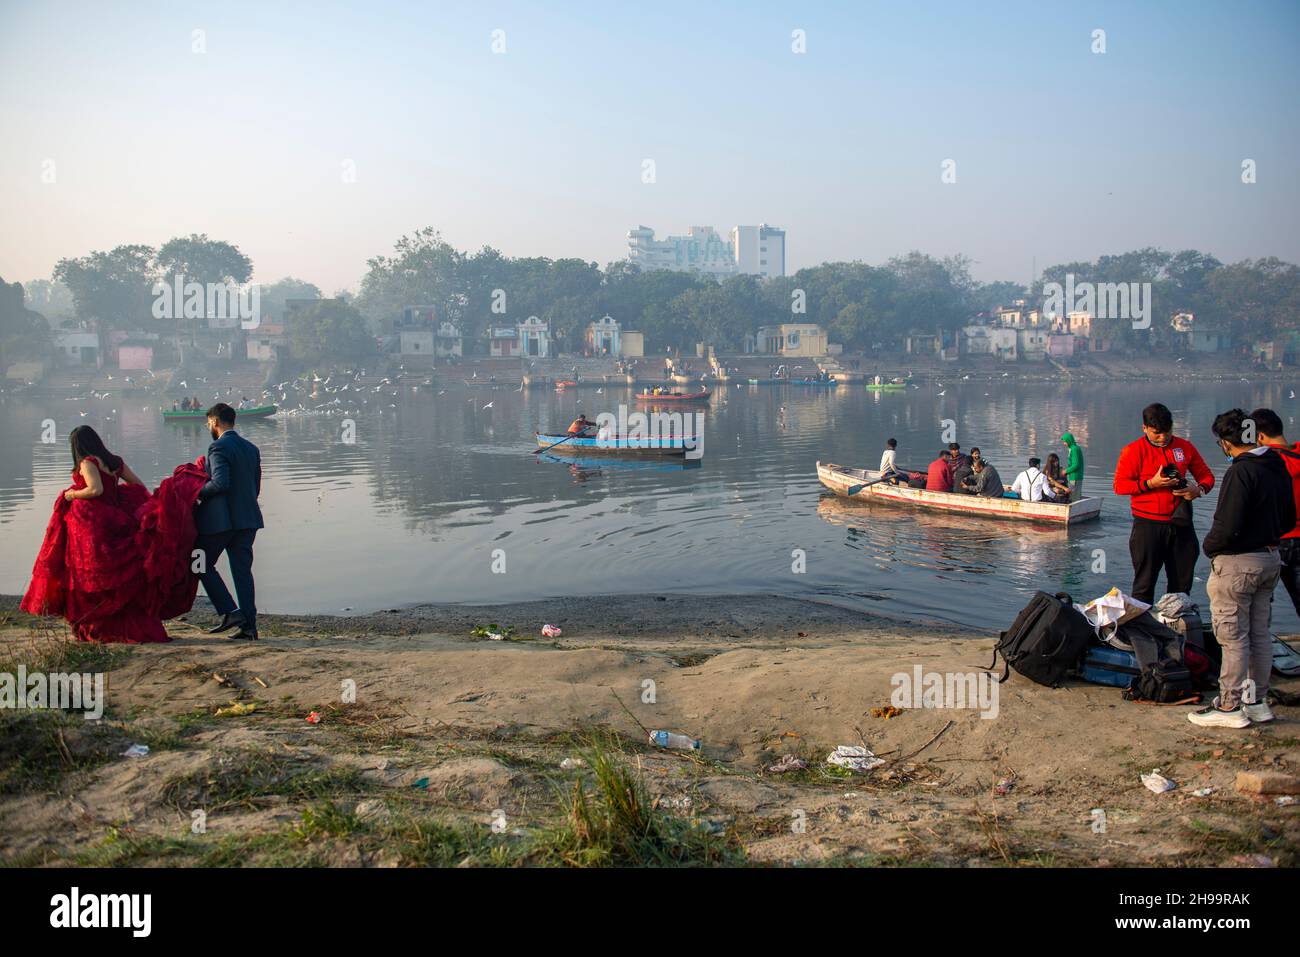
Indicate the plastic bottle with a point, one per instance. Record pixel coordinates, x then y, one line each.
668 739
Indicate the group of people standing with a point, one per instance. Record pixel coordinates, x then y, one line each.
1254 539
117 561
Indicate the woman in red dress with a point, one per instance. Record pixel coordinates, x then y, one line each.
114 559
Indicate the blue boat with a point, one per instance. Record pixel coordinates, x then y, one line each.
619 445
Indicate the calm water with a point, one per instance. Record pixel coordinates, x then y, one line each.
414 510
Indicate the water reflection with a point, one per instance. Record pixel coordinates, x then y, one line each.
412 509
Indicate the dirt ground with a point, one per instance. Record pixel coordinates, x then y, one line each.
465 750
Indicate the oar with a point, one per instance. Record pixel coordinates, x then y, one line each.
554 444
855 489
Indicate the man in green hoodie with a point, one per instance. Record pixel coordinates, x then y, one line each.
1074 468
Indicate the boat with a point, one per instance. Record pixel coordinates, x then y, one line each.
674 396
886 386
199 415
566 384
619 445
840 478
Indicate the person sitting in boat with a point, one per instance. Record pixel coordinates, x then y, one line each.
985 480
961 468
1056 479
175 406
581 427
888 466
939 476
1031 484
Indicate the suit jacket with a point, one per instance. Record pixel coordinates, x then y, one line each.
228 501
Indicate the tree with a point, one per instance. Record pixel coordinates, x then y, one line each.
329 330
274 295
202 260
51 299
113 288
24 334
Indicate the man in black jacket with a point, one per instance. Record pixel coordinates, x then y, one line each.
1255 509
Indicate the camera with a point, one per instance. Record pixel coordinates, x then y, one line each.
1171 471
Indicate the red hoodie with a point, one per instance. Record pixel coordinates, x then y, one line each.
1292 463
1141 460
939 478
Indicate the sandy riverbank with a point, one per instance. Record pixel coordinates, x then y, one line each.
450 733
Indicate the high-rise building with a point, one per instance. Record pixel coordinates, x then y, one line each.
752 250
759 250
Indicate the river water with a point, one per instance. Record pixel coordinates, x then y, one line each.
438 498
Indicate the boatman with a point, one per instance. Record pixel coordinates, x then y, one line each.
1074 467
580 426
1153 472
888 466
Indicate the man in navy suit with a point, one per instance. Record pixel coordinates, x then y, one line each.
227 518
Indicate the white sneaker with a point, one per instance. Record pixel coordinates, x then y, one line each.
1257 713
1213 717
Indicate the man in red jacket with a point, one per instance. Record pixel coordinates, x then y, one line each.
939 476
1153 472
1268 428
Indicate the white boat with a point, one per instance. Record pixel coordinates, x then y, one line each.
840 478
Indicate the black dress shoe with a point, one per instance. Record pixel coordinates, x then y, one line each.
228 621
244 634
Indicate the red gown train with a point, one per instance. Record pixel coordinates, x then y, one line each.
115 566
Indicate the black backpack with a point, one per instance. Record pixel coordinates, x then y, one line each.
1047 640
1159 652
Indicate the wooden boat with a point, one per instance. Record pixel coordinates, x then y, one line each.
674 396
565 384
840 478
886 386
620 445
186 415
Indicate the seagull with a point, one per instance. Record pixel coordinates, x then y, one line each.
944 392
1292 395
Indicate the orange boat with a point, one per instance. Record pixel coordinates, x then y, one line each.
674 396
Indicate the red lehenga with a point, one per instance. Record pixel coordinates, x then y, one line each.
116 565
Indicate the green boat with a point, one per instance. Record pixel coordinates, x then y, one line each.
185 415
886 386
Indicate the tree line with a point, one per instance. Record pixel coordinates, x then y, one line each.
863 307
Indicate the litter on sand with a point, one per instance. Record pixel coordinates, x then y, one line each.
136 751
1286 800
551 631
313 718
1157 782
669 739
1204 792
854 758
787 763
568 764
237 709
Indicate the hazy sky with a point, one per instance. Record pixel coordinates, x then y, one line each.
1060 153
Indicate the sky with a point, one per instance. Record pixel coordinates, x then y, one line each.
314 135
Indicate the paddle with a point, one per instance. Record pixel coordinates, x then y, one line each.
855 489
554 444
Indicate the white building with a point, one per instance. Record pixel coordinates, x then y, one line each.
751 250
759 250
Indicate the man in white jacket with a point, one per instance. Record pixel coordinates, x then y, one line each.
1031 484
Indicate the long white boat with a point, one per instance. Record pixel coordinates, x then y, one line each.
840 478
